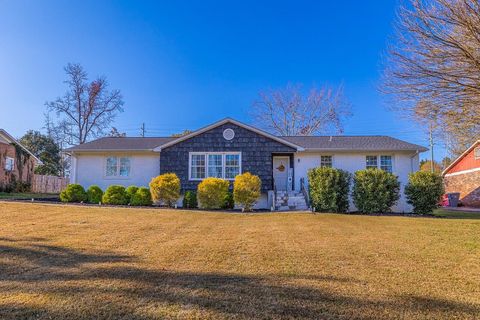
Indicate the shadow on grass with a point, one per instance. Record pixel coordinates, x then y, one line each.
105 285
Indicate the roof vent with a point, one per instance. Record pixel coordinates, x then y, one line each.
228 134
331 138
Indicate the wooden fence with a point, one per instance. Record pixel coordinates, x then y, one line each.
48 184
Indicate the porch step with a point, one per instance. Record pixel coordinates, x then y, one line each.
289 201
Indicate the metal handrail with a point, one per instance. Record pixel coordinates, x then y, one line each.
274 195
304 191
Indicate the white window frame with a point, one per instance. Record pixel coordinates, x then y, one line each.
476 153
206 154
117 176
11 161
379 161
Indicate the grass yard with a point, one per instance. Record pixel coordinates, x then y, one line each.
28 195
78 262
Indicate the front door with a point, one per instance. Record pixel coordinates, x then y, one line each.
281 166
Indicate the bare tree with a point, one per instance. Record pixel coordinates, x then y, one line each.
436 58
289 112
116 134
87 108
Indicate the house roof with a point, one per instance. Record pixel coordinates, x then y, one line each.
358 143
122 144
454 162
11 139
301 143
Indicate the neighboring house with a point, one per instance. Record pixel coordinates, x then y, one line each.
17 163
228 147
463 176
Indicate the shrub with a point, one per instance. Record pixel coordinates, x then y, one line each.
73 193
115 195
246 190
423 191
165 188
375 191
329 189
211 193
142 197
228 201
94 194
190 200
131 190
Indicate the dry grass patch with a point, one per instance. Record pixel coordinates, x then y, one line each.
88 262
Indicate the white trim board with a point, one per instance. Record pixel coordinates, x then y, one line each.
461 172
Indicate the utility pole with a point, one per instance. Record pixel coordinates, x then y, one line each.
142 130
431 149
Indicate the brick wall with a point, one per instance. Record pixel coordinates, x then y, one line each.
468 184
24 166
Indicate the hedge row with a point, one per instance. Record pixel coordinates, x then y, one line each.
116 195
374 191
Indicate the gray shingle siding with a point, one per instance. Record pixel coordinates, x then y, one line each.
256 153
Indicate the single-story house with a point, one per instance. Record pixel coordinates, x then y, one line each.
463 176
17 163
229 147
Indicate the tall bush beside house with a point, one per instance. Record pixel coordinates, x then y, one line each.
329 189
423 191
375 191
165 188
211 193
115 195
142 197
246 190
94 194
73 193
190 200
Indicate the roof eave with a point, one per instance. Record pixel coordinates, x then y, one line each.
460 157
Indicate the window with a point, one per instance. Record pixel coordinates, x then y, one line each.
225 165
372 162
386 163
197 169
9 164
117 167
477 153
326 161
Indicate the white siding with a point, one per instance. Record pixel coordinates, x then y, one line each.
403 164
89 169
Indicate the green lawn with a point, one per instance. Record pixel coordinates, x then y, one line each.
28 195
75 262
453 214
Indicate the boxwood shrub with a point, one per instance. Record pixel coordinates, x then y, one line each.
211 193
375 190
423 191
131 190
228 201
190 200
142 197
94 194
165 188
73 193
115 195
329 189
246 190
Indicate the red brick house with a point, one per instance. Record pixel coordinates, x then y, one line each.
463 176
17 163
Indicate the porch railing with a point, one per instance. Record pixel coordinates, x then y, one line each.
304 191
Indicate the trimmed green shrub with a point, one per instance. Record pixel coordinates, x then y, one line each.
423 191
131 190
329 189
142 197
228 201
375 190
190 200
73 193
165 188
94 194
115 195
246 190
211 193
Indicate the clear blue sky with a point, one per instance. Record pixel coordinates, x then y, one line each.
184 64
